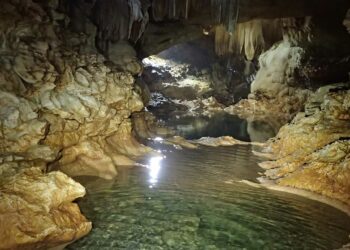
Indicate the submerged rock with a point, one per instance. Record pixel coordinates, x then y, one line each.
220 141
37 210
181 142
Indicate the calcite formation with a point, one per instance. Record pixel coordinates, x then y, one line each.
58 105
36 210
61 107
274 97
249 38
64 106
312 152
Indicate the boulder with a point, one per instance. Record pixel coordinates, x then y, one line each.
37 210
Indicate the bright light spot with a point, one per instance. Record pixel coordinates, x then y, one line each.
158 139
205 32
154 168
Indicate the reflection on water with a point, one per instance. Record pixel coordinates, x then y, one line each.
219 124
154 168
191 200
260 132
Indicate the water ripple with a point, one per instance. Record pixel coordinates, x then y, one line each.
198 203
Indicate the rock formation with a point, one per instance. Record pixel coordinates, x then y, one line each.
273 92
69 100
290 70
36 210
312 152
61 107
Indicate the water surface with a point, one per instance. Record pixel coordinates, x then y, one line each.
218 124
192 200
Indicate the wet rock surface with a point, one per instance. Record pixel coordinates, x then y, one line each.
62 108
37 210
59 105
312 152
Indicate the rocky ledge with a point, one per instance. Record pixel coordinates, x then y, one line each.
312 152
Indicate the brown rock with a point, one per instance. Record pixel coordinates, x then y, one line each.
312 152
36 210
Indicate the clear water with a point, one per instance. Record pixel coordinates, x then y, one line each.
219 124
192 200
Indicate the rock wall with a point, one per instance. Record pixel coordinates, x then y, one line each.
312 152
311 54
58 105
62 106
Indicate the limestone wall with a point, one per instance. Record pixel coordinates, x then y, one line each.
59 104
63 108
312 152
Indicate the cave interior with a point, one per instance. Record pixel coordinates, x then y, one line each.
174 124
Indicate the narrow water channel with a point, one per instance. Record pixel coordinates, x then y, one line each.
192 199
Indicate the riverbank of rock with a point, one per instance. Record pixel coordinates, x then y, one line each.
312 152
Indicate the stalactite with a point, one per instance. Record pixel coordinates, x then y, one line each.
222 40
136 14
171 9
225 12
158 9
129 24
139 26
111 26
233 15
250 38
216 10
187 9
174 8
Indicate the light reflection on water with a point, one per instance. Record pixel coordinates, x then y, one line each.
154 167
191 200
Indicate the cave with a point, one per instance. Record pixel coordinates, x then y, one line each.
174 124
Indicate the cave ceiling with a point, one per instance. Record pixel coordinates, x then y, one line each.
151 26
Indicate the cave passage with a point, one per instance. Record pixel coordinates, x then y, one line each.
188 90
194 198
174 124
